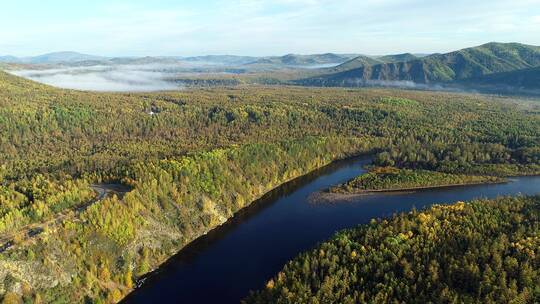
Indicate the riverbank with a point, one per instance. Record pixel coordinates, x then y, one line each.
254 206
252 247
214 201
413 189
172 203
391 179
416 257
326 197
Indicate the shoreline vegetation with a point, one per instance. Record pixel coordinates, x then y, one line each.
235 165
343 157
202 156
483 251
391 179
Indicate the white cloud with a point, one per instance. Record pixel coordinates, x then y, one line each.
262 27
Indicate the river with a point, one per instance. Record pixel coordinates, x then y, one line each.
241 255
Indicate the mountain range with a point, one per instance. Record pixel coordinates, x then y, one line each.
464 66
52 58
525 81
78 59
305 60
494 66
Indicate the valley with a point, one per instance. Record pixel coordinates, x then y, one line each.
259 240
187 162
434 254
498 68
270 152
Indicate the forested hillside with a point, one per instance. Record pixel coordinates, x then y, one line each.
364 61
478 252
520 81
397 58
303 60
438 68
194 157
355 63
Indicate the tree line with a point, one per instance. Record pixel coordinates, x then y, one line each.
200 157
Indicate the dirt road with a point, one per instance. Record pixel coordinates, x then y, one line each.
32 230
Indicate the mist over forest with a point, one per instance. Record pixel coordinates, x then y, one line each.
270 152
123 78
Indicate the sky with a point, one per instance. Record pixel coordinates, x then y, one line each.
261 27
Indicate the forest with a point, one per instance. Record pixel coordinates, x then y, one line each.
484 251
195 157
392 178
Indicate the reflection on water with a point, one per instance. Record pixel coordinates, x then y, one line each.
224 265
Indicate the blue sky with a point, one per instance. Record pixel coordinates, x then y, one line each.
259 27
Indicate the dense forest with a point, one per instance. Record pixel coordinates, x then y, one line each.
468 66
195 157
478 252
391 178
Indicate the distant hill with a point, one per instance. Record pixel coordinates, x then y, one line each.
9 59
397 58
52 58
59 57
364 61
143 60
355 63
221 59
305 60
519 80
78 59
438 68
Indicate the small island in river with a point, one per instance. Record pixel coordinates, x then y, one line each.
383 179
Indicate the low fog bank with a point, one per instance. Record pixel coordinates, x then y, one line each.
124 78
452 87
400 84
317 66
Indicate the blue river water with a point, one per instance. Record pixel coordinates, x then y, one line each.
243 254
